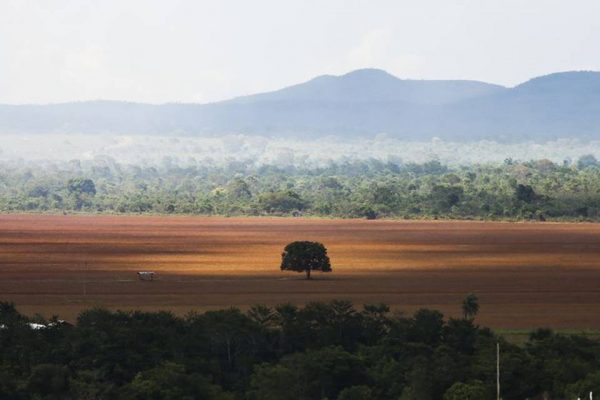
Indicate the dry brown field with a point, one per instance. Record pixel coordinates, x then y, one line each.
525 274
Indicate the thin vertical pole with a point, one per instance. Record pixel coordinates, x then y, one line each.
497 370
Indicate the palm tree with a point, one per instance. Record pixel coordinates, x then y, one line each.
470 306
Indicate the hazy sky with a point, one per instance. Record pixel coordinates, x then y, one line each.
201 51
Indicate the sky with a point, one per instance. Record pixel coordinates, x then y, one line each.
203 51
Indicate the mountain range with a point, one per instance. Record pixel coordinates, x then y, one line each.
361 103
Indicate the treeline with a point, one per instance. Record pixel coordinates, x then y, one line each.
321 351
355 189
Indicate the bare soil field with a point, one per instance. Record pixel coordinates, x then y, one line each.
525 274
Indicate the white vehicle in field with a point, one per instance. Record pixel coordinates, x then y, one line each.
146 275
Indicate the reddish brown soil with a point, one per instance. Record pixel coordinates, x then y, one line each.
526 274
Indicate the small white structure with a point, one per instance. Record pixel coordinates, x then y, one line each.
35 326
146 275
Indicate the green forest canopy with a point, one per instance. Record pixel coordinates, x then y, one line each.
513 190
321 351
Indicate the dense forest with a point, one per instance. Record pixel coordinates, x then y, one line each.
539 189
320 351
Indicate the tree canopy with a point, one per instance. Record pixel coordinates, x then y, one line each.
304 256
470 306
537 189
322 350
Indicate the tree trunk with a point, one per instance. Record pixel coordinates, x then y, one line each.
308 274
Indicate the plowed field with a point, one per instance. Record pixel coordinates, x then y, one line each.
525 274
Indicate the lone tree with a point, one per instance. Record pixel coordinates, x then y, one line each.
470 306
305 257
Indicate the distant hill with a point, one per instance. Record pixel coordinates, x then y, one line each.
375 86
363 102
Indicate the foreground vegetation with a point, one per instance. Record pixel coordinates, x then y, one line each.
322 351
514 190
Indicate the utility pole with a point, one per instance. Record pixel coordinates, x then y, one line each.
497 370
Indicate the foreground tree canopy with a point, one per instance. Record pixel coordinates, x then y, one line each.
321 351
305 257
539 189
470 306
